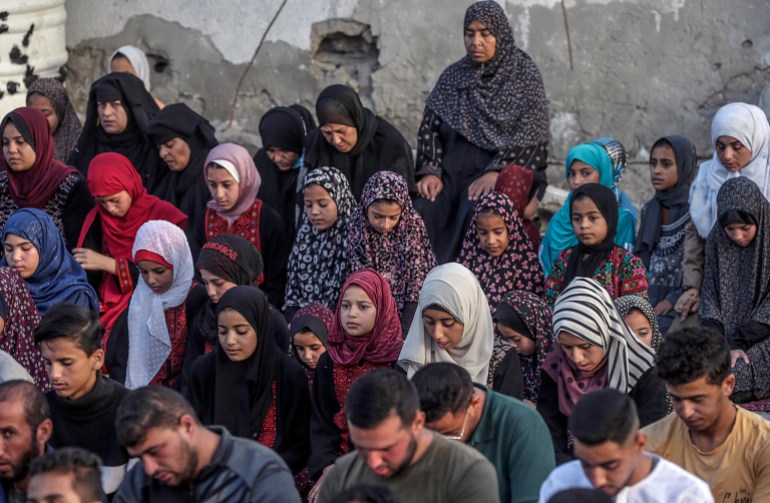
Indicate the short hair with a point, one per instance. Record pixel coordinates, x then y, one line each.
366 494
690 353
36 408
72 322
149 407
84 466
581 495
443 387
376 395
602 416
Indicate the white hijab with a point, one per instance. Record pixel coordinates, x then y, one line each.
747 124
456 290
148 341
137 59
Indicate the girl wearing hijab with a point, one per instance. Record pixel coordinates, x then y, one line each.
50 97
31 178
740 135
250 386
34 247
455 324
524 320
117 117
234 208
148 345
525 191
660 241
594 211
355 140
366 335
131 59
590 163
594 350
107 237
184 139
387 235
309 334
638 314
318 264
487 110
283 131
736 284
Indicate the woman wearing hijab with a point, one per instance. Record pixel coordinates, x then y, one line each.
234 208
355 140
107 237
184 139
594 211
525 191
117 117
34 247
594 350
388 235
318 264
366 335
31 178
740 135
487 110
131 59
248 385
664 219
524 320
283 131
638 314
455 324
590 163
50 97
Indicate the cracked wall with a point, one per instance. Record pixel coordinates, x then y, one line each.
639 70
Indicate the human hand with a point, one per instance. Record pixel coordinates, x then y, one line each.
430 186
735 354
663 307
688 303
482 185
93 261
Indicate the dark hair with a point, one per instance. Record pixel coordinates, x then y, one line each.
149 407
376 395
35 404
366 494
579 495
443 387
603 416
84 466
72 322
690 353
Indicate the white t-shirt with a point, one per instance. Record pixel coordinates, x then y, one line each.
666 483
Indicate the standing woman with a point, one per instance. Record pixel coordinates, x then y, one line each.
234 182
355 140
31 178
387 235
50 97
487 110
107 237
184 139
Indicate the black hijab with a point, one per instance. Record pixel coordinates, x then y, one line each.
133 143
243 390
675 199
607 204
380 146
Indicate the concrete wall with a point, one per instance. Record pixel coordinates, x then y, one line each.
638 69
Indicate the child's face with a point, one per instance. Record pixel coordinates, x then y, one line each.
357 312
309 347
157 276
639 325
581 173
72 372
320 207
663 167
741 234
521 343
492 233
589 225
383 216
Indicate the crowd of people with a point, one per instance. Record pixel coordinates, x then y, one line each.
334 320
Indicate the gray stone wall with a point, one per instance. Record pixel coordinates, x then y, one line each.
635 70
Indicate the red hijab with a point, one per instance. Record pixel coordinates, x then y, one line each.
383 344
36 186
516 183
110 173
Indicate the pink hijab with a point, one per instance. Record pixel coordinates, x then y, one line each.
240 165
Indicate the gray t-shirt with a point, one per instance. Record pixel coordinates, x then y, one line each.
448 471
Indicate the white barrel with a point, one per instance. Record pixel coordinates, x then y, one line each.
27 50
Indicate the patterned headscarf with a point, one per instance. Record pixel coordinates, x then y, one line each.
404 256
318 264
628 303
67 133
530 316
496 104
231 258
315 317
